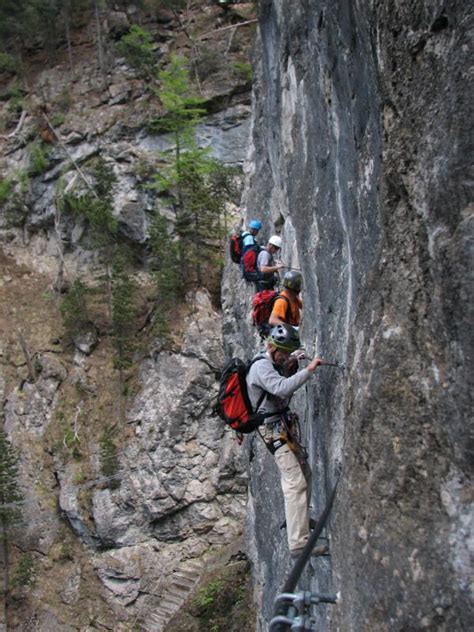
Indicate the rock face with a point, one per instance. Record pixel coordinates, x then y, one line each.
359 154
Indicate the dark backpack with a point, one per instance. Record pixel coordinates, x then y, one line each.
262 304
233 403
248 263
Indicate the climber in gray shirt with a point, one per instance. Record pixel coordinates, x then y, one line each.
270 390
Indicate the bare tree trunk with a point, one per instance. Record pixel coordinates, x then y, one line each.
69 155
194 45
100 49
58 283
6 577
231 39
67 20
120 395
26 353
18 127
226 28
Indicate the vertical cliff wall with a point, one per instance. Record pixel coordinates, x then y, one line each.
360 160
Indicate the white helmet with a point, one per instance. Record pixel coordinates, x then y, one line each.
275 241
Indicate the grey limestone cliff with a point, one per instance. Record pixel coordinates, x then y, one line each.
360 160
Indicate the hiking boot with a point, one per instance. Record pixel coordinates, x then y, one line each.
312 524
318 551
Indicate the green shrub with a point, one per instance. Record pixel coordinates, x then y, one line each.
73 310
8 63
109 463
15 95
24 574
123 310
57 119
242 70
64 100
208 63
206 597
23 179
137 48
72 442
6 188
38 159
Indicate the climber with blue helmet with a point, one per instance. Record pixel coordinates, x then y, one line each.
270 391
248 236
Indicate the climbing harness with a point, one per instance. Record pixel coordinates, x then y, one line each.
299 610
292 432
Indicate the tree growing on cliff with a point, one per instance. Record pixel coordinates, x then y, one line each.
74 311
137 48
124 319
96 207
182 113
10 499
109 460
189 171
166 273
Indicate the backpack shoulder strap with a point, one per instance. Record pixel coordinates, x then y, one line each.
283 297
260 356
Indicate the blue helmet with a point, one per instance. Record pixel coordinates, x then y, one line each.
256 224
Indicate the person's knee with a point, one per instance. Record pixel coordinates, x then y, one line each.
296 486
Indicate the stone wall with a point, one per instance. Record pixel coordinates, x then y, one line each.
360 159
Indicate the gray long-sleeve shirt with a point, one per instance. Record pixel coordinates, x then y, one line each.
264 378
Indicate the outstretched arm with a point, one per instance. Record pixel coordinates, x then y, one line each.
313 365
268 269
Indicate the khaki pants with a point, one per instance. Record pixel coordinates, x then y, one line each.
295 489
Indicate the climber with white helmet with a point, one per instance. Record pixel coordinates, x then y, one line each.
267 266
270 391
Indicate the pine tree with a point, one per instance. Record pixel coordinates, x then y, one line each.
137 48
201 185
109 461
123 324
10 499
166 273
96 207
123 311
73 310
182 115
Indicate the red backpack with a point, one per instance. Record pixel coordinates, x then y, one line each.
233 403
249 264
262 304
235 247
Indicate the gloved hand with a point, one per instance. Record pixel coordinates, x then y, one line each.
299 354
